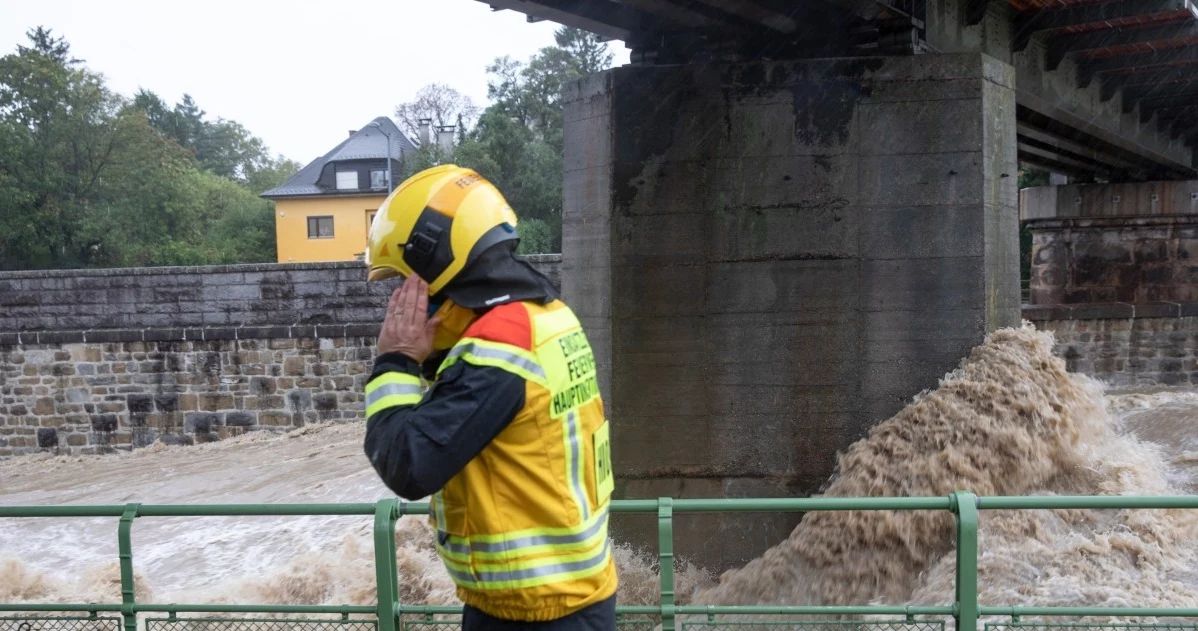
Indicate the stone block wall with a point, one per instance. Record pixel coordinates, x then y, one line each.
1128 259
1133 242
96 396
1125 345
66 304
182 355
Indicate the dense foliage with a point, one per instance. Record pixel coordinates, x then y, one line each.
89 178
516 142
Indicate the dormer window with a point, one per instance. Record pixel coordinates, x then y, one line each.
347 180
378 179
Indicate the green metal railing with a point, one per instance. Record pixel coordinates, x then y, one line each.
392 615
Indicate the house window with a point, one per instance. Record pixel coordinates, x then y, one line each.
378 178
320 227
347 180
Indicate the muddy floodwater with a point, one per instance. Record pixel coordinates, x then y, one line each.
1010 420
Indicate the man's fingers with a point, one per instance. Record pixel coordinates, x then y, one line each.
408 303
391 304
407 328
421 303
401 306
389 320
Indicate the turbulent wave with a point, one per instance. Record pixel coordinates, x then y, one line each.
1009 420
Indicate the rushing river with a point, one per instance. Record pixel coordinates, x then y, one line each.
1009 421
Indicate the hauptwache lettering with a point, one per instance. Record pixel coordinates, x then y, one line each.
580 366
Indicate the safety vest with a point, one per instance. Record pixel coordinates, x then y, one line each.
522 528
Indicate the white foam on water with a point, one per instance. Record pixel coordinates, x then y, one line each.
1010 420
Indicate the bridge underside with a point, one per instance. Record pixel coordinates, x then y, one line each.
1107 89
785 219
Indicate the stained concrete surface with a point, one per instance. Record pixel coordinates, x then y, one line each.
772 257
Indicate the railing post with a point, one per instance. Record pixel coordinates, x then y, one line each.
665 560
124 542
387 575
965 506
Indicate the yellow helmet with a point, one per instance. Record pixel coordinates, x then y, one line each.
435 224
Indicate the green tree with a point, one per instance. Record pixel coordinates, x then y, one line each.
242 228
58 140
517 141
156 110
587 53
227 149
536 237
89 178
269 174
220 146
165 211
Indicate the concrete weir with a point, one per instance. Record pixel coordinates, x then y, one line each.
771 257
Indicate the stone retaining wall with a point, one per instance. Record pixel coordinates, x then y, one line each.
69 303
1124 344
1132 242
96 396
1131 259
102 359
1114 274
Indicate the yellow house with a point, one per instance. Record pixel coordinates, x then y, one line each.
323 212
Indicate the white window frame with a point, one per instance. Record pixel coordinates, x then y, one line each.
344 182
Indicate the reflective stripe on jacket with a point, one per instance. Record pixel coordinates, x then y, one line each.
521 514
523 528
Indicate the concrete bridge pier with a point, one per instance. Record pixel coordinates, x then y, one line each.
771 257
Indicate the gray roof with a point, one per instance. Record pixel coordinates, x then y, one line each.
368 143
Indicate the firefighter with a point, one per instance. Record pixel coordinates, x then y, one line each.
484 397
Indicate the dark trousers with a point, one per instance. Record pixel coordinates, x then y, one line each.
600 616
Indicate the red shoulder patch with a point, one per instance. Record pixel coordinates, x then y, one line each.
507 324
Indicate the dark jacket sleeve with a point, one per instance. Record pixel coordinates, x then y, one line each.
417 448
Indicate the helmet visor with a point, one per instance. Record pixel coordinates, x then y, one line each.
383 273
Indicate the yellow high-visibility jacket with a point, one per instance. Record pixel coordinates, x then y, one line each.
522 525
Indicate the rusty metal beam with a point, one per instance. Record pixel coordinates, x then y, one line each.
1090 67
1059 47
1060 17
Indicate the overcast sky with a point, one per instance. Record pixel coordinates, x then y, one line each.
297 73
